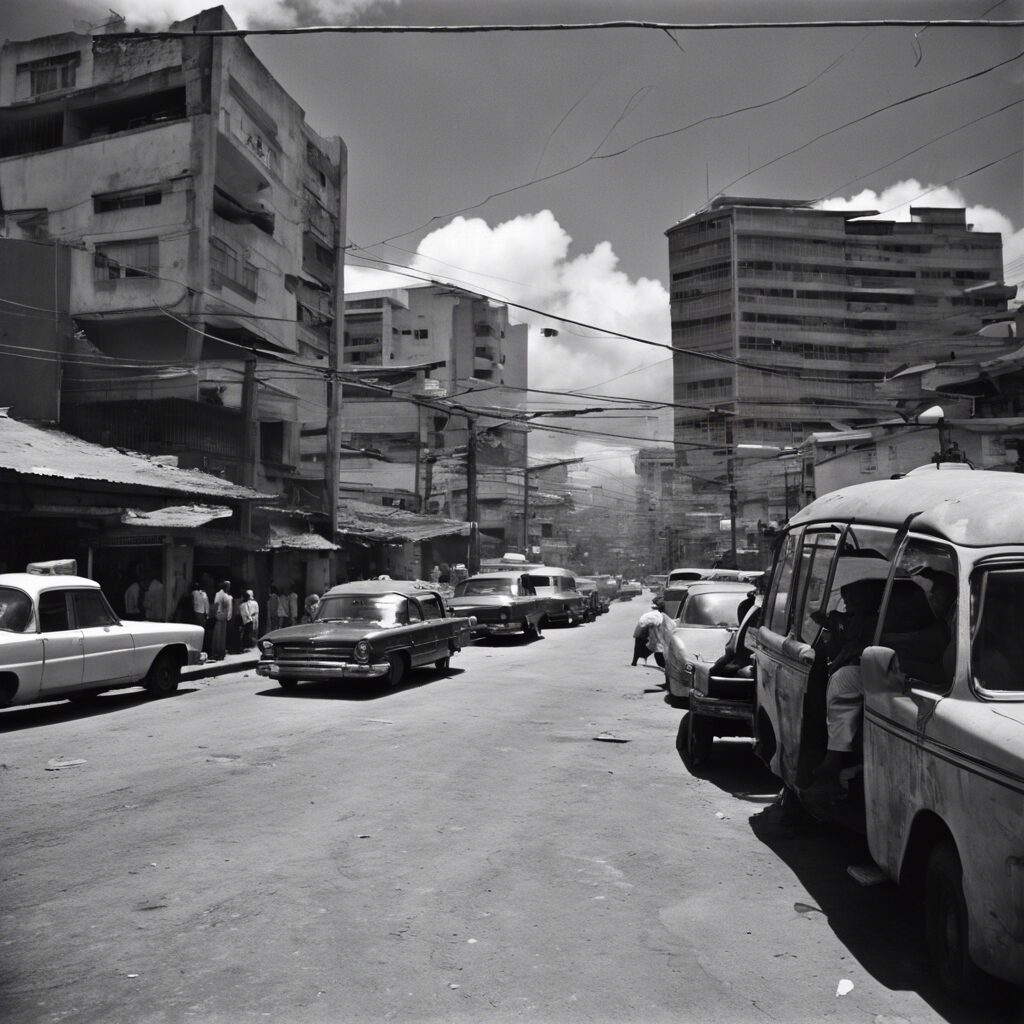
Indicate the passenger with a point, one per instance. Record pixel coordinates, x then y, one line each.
910 629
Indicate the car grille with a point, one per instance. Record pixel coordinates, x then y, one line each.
315 652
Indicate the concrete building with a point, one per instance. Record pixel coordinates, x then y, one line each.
202 216
469 366
194 217
790 316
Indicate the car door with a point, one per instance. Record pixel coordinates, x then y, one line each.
437 630
108 647
62 643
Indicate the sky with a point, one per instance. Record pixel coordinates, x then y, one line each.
544 168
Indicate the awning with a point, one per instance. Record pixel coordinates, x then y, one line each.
283 539
36 451
382 523
181 517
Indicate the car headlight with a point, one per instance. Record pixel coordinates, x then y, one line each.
361 651
505 615
688 670
266 647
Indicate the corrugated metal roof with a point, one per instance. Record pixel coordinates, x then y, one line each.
281 537
176 516
40 451
383 523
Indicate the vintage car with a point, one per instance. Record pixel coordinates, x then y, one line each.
721 694
597 603
563 602
60 639
705 622
374 630
608 586
932 752
630 589
501 602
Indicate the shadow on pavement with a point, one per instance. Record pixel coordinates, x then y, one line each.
360 690
30 716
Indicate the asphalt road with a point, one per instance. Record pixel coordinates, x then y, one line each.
463 849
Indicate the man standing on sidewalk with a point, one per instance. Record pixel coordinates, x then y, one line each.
222 608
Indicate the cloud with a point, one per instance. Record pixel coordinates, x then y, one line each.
529 260
158 14
894 203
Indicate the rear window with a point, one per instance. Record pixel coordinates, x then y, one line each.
711 610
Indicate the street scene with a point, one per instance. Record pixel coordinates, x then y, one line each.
513 838
512 511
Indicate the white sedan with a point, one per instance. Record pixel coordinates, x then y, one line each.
60 639
700 632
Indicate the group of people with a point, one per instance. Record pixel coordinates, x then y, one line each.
144 598
225 613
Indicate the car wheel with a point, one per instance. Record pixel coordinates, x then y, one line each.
947 929
699 738
396 669
164 675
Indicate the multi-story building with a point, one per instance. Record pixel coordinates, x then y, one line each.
468 370
202 214
787 317
201 218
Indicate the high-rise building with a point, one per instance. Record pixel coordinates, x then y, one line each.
787 316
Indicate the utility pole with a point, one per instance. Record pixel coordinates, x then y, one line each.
250 442
472 503
332 469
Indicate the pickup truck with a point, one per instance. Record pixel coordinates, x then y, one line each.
376 630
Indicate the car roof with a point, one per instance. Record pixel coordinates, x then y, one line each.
511 574
33 583
974 508
404 588
719 586
548 570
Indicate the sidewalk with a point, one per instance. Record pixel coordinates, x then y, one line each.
229 663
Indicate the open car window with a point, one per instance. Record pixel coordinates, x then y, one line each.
15 610
997 644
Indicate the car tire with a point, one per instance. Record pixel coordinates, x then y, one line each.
396 670
947 931
164 675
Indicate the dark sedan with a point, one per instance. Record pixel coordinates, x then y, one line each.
374 630
501 602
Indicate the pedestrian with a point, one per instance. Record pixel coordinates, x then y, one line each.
222 609
153 601
249 611
435 575
293 606
133 599
273 611
312 603
200 605
646 638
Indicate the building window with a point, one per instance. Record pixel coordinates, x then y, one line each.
869 461
126 200
51 73
228 268
421 334
113 261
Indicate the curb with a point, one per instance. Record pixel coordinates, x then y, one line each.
218 668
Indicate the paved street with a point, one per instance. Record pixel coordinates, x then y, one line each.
463 849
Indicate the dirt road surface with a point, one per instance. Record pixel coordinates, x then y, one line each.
462 849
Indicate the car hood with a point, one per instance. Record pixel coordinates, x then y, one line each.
701 643
312 631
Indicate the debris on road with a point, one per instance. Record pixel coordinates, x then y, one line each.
844 987
610 737
56 763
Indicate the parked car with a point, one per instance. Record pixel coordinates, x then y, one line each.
699 633
722 694
656 584
60 639
597 603
935 775
564 603
608 586
630 589
370 630
501 602
679 577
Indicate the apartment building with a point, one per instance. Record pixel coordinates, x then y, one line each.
202 215
789 317
466 368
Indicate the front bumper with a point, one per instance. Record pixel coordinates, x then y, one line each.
715 707
322 669
497 628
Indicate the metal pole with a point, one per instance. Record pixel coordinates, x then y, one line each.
526 511
332 468
730 467
472 509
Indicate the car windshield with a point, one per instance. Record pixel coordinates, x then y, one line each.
379 610
15 610
482 587
711 610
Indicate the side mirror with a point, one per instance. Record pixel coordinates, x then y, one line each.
880 671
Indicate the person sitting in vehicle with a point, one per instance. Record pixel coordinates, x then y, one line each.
910 629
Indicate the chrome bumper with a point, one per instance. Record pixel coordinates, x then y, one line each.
322 670
498 627
714 707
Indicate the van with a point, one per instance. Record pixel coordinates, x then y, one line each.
936 774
